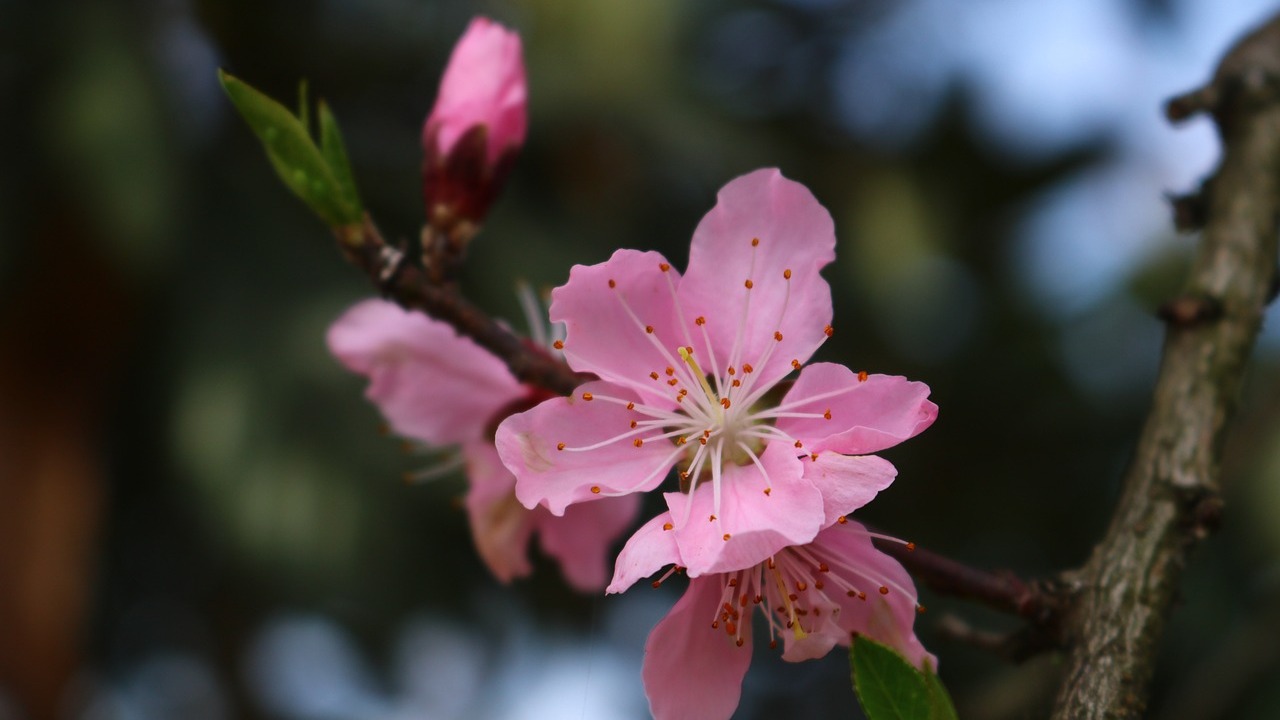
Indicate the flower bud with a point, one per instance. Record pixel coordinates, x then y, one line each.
475 130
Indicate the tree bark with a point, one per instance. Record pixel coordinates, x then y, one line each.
1169 499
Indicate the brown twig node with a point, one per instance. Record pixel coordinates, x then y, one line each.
1169 499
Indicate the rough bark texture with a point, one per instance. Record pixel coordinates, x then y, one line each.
1169 500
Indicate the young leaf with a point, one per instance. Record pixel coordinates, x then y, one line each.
334 151
297 160
940 706
888 687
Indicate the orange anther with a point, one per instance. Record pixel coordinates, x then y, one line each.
911 547
787 273
638 442
559 345
664 267
746 367
653 375
595 489
672 382
755 242
667 526
559 446
799 444
700 320
712 518
827 415
648 329
829 331
842 520
631 406
724 403
736 382
749 284
768 491
670 371
862 376
726 537
634 424
777 336
884 590
612 284
795 364
587 396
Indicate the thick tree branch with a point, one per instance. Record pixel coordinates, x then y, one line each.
1169 499
405 283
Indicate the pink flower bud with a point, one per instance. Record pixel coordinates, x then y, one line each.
477 126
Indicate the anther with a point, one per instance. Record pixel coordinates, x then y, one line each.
862 595
736 382
749 284
740 642
827 415
682 440
648 329
612 284
787 273
595 489
638 442
842 519
777 336
673 382
813 457
733 582
884 590
911 547
818 585
829 331
700 320
802 586
684 474
711 518
667 526
587 396
768 491
795 364
823 567
631 406
656 584
670 371
724 403
862 376
726 537
755 242
746 367
920 609
664 267
702 440
559 446
799 444
732 371
634 424
653 375
559 345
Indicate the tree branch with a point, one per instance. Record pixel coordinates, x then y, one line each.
405 283
1169 499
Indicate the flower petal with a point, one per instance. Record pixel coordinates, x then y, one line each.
483 84
847 482
583 538
866 415
795 234
888 618
430 383
692 671
529 444
500 525
649 549
606 310
756 524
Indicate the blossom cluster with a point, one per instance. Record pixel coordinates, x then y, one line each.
703 385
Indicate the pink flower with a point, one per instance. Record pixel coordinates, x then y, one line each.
439 388
814 597
689 372
478 124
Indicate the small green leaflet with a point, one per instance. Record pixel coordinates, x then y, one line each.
320 176
890 688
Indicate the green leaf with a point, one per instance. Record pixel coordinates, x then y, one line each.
293 153
890 688
940 705
334 151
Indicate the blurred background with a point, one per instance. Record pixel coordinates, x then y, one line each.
199 517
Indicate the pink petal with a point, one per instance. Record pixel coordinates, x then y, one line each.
529 443
484 84
691 671
758 524
500 525
847 482
582 540
866 416
605 338
888 618
430 383
648 550
795 233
